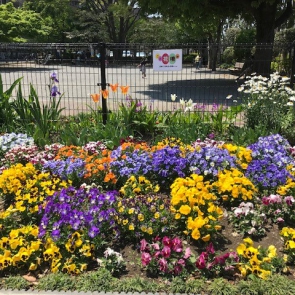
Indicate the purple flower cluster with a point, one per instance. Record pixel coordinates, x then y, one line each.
137 162
71 209
210 160
270 158
168 164
69 169
271 145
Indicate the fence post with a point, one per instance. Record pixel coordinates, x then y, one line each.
293 65
103 84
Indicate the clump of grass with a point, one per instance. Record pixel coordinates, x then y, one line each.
99 280
221 286
275 284
15 283
190 286
137 284
56 281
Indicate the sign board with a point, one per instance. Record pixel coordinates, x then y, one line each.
167 60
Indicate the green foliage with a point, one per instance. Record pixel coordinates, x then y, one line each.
20 25
7 113
98 280
136 284
190 286
221 286
138 120
15 283
56 281
153 30
228 55
59 16
41 120
243 136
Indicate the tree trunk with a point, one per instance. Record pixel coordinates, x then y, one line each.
214 47
265 17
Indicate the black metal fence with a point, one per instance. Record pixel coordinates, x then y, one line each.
79 71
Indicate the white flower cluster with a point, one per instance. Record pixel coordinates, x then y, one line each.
10 140
276 88
110 253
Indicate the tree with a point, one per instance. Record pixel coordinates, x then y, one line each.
20 25
153 30
117 17
267 15
59 16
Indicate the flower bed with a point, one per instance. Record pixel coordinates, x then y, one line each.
73 209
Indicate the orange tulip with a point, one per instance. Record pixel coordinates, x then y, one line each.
95 97
114 87
124 89
105 93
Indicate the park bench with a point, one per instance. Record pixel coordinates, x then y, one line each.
236 70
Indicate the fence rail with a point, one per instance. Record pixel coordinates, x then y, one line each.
78 67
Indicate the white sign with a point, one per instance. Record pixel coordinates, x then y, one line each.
167 60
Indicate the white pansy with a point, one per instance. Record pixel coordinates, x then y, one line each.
229 96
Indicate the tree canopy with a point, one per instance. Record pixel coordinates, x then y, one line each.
266 15
20 25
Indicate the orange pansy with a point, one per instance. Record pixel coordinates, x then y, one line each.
114 87
95 97
124 89
105 93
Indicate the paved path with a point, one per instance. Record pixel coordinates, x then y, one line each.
78 81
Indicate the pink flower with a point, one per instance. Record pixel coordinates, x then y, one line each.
163 265
145 258
177 245
187 253
210 249
167 242
166 252
143 245
155 246
181 262
157 254
201 261
289 200
177 269
280 219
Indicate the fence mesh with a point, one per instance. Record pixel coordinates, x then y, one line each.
78 67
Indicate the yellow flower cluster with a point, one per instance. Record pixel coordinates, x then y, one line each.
76 247
243 155
172 141
12 179
193 207
28 188
288 235
143 215
21 248
138 186
232 185
256 261
287 189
